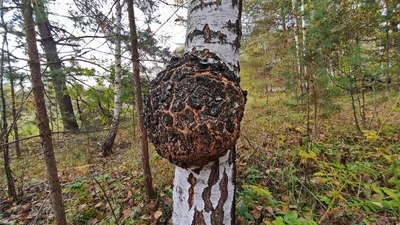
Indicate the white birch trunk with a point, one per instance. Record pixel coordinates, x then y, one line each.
117 81
207 195
296 36
303 26
109 142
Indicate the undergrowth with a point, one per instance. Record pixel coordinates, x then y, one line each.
283 177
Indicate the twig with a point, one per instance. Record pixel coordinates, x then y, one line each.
52 133
374 92
154 33
41 207
108 200
248 141
331 204
316 198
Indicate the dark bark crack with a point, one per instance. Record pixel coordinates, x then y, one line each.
198 218
212 180
192 181
217 216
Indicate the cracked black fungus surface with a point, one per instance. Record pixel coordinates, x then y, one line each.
193 110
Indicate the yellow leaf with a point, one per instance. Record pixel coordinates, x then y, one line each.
307 155
388 158
261 191
371 135
81 170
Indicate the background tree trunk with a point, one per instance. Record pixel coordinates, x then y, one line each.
387 79
207 195
139 101
297 43
41 114
57 75
14 109
109 141
5 133
13 100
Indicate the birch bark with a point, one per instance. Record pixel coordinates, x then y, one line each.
206 195
296 39
109 142
303 27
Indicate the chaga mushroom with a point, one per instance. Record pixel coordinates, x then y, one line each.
194 109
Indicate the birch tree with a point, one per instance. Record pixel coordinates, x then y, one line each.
297 42
109 142
193 114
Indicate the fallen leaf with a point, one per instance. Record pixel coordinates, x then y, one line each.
93 221
285 198
82 207
98 205
379 204
168 201
367 178
318 181
126 214
282 188
157 214
256 213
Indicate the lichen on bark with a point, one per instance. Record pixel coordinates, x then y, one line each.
194 109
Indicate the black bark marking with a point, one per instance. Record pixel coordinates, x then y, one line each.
198 218
206 33
231 26
193 110
234 3
202 5
192 181
179 192
197 170
236 43
217 216
209 35
221 38
212 180
193 34
206 195
232 163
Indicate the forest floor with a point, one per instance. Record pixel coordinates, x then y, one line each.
283 178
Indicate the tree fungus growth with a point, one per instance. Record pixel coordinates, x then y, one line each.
194 109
